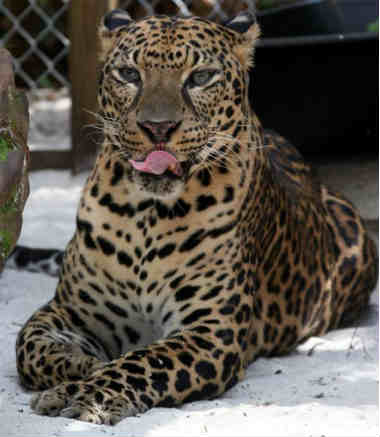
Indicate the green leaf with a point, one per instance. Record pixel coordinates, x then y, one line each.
4 149
5 243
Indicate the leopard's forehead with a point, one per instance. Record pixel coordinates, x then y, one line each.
171 42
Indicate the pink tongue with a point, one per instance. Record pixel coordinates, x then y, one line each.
158 162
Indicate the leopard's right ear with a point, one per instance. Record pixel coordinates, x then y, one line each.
109 27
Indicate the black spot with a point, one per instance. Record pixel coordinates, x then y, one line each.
146 400
143 275
227 309
151 255
193 240
160 381
181 208
112 374
182 382
229 112
196 315
208 391
170 273
226 335
101 318
94 190
242 338
29 346
118 173
86 228
138 384
72 389
161 362
217 232
186 358
142 206
166 250
167 402
241 277
229 194
274 312
204 177
186 292
96 287
228 365
99 397
175 282
213 292
194 43
205 369
133 335
76 320
167 316
227 125
86 298
124 259
116 309
195 260
204 202
152 286
114 207
106 246
162 210
48 370
202 343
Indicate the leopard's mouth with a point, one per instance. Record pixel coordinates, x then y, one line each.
159 164
168 173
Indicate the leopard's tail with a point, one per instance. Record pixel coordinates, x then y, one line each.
38 260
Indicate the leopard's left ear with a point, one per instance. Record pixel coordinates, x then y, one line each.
108 29
247 33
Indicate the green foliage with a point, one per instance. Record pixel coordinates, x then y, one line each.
373 27
5 148
10 205
5 243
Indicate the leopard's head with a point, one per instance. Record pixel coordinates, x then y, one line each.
173 94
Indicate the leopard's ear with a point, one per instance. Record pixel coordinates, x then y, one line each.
108 29
247 33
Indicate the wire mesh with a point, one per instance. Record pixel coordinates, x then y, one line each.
36 31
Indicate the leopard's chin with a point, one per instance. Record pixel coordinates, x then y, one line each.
167 186
164 187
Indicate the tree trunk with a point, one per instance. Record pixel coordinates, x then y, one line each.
14 154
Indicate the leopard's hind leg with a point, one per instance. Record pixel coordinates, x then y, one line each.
356 269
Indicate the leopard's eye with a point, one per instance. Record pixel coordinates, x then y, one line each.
128 74
200 78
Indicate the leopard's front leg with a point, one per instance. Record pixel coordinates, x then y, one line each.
197 363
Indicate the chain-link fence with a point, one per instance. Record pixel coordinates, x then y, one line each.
36 31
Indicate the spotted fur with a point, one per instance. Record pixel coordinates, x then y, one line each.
171 286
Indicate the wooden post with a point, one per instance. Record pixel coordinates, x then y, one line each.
85 16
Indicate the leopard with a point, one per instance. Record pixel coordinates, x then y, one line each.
202 241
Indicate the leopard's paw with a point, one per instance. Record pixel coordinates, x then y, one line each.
84 401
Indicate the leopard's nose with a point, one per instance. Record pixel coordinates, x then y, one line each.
159 131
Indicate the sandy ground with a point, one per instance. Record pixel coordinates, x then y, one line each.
327 387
